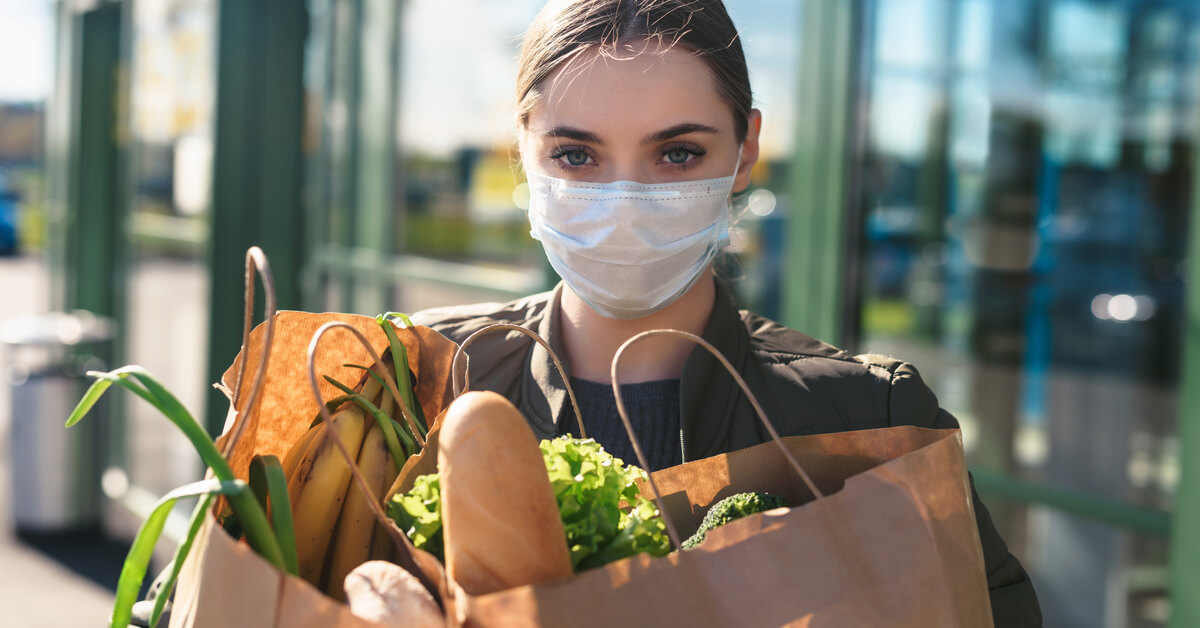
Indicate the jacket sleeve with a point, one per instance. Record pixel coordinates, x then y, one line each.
1014 602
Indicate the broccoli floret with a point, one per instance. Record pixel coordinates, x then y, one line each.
730 508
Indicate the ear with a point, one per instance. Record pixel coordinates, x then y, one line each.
749 150
521 148
518 144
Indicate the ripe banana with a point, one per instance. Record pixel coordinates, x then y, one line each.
357 525
292 459
336 530
371 387
317 489
382 545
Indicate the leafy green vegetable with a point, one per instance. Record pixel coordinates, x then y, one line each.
138 559
419 514
590 485
730 508
404 381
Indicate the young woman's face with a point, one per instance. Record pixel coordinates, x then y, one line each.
651 116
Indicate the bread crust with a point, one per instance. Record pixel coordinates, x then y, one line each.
500 518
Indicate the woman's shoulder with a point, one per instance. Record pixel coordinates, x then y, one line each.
777 343
888 389
460 321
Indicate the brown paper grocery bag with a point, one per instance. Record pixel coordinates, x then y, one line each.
224 584
882 532
286 406
893 543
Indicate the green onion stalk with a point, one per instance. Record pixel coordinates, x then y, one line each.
250 513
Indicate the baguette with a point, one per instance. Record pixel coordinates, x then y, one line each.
500 518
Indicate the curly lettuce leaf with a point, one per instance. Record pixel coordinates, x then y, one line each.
419 514
591 485
604 515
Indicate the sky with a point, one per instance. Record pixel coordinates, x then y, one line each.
26 49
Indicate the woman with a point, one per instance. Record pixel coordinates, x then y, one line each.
635 127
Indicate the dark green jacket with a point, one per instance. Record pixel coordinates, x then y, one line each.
804 385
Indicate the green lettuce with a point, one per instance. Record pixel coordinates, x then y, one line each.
419 514
591 486
604 515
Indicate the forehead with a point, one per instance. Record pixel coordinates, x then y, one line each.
638 89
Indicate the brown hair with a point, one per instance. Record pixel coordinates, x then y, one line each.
565 29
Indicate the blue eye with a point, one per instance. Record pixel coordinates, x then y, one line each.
681 155
571 157
576 157
678 155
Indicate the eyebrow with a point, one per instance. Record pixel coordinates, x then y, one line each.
572 133
580 135
677 130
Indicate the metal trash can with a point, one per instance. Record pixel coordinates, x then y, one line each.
55 471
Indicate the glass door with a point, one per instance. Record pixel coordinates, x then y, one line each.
1026 189
170 91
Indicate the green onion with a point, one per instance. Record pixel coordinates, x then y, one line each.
266 475
403 377
168 584
332 406
399 455
134 571
402 316
137 380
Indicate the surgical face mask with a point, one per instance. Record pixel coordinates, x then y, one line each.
630 249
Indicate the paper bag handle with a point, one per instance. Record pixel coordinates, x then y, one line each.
376 501
637 448
376 362
460 386
256 261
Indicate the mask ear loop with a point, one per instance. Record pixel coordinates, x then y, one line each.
737 209
738 201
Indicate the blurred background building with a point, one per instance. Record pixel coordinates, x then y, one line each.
1000 191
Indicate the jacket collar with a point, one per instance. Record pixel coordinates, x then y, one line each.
708 394
543 391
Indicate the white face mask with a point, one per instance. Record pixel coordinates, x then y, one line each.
630 249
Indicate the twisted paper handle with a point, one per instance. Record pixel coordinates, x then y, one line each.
256 261
637 448
460 386
406 559
327 416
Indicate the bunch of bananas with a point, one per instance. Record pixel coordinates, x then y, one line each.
336 530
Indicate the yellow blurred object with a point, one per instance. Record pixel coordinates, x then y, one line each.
493 181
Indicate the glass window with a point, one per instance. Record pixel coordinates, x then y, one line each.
462 182
1026 192
770 33
172 90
